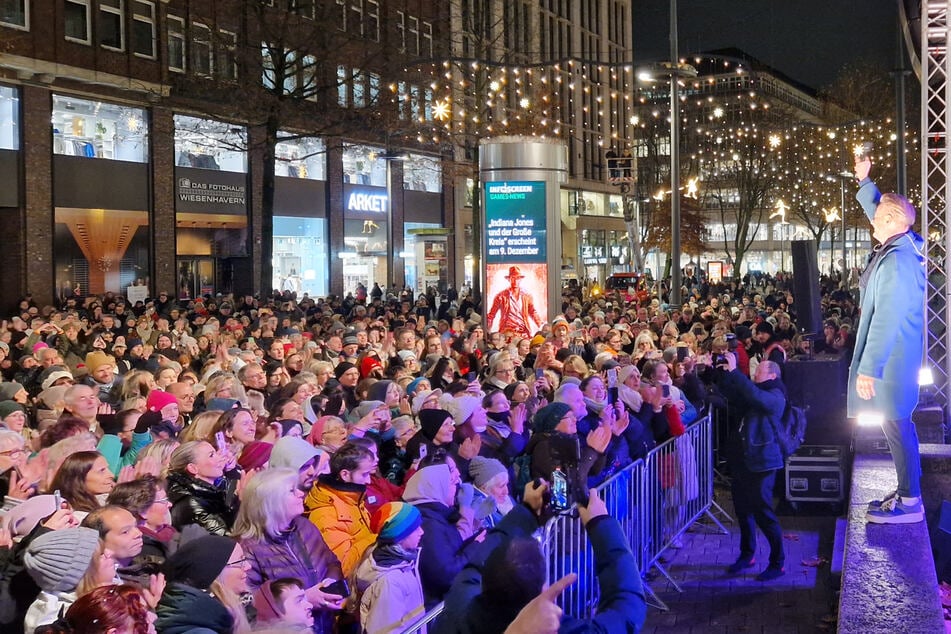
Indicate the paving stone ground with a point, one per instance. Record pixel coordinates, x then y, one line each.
713 602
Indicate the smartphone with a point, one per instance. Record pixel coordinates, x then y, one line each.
470 377
57 500
423 451
340 588
612 386
220 441
540 373
666 391
559 491
681 353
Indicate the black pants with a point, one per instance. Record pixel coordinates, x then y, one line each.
753 503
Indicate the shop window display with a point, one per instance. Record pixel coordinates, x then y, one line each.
95 129
301 255
422 173
210 144
362 165
301 158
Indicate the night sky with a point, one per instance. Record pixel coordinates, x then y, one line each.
808 40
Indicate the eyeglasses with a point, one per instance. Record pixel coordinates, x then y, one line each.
13 452
240 562
161 501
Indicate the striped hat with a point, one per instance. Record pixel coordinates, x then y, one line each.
395 521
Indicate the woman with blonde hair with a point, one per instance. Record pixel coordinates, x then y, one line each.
280 542
202 427
137 383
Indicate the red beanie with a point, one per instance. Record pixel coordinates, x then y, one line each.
255 454
158 399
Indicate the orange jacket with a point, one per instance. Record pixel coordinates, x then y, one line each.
339 512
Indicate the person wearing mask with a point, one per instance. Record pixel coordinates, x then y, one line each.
279 542
336 505
754 456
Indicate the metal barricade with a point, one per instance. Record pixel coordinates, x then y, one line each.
655 500
419 625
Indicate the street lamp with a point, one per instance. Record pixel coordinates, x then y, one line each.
388 157
843 176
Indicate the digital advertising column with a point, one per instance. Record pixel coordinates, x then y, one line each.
521 179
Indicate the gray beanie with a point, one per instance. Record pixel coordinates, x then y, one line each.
58 560
482 470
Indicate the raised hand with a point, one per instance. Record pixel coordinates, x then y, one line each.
542 615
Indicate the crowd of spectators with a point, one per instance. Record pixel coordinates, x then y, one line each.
339 464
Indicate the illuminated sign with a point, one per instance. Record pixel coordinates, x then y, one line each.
358 201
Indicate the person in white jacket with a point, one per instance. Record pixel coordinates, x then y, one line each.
65 564
387 580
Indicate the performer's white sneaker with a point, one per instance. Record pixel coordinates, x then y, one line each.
897 510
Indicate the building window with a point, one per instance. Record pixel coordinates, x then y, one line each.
111 25
422 173
303 8
76 17
362 165
304 157
341 15
401 30
210 144
427 39
9 118
309 78
175 26
201 49
15 14
343 86
356 16
373 20
95 129
413 36
227 65
143 28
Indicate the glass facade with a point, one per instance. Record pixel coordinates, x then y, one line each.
422 173
301 255
210 144
415 268
301 158
95 129
362 165
9 118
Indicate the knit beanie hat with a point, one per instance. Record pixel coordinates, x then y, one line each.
54 377
97 359
463 407
363 409
411 387
421 397
548 417
482 470
198 562
255 454
377 391
367 366
430 420
9 389
58 560
510 390
23 518
341 368
157 399
8 407
287 424
395 521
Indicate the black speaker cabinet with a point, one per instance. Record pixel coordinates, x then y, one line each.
806 287
818 385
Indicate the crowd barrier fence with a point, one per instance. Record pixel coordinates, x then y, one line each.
655 499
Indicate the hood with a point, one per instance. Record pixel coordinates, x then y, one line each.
430 484
370 569
327 489
292 453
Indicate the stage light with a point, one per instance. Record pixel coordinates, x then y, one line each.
925 377
870 419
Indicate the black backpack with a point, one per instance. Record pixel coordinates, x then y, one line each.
792 429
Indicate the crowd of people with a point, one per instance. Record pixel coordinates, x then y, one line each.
343 464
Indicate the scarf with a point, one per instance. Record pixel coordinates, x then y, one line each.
499 423
388 555
595 407
631 398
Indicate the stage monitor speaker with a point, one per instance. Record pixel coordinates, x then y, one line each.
806 287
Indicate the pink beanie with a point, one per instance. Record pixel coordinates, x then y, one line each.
158 399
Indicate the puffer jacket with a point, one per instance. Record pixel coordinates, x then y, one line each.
299 552
390 592
184 609
195 501
338 510
756 442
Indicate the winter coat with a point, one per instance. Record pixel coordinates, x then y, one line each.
300 552
888 340
187 610
756 442
46 609
338 510
621 608
549 451
195 501
391 594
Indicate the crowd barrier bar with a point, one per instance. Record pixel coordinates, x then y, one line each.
655 499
